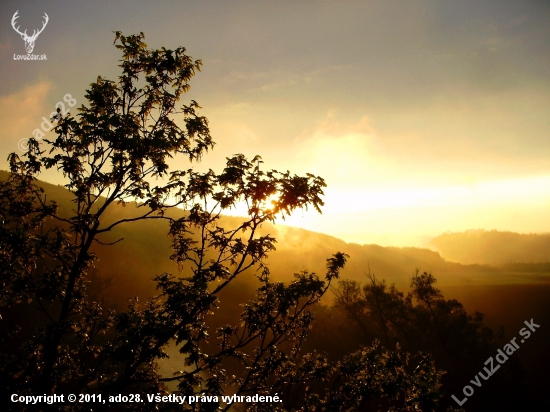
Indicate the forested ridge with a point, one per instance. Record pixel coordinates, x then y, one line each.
494 247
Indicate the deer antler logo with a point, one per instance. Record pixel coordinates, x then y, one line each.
29 40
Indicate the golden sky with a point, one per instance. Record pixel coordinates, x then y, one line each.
422 117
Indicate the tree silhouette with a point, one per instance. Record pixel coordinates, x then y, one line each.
116 150
424 320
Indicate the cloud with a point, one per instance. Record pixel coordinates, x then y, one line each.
343 153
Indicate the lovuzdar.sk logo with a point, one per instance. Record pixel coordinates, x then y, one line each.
29 40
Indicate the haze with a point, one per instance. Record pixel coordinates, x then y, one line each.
423 117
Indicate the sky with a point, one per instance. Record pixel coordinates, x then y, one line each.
422 116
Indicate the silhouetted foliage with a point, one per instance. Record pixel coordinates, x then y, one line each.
116 150
389 313
424 320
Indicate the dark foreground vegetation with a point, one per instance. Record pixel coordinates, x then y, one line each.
69 266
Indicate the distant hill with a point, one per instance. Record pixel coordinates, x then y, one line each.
145 252
493 247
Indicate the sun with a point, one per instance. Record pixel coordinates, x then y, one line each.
270 203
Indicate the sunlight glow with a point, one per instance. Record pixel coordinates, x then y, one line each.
533 190
270 202
407 217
